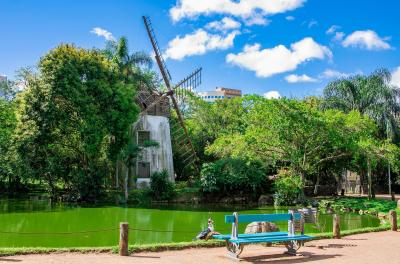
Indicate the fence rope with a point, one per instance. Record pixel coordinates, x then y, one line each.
60 233
169 231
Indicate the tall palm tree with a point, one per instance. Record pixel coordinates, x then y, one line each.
371 95
129 64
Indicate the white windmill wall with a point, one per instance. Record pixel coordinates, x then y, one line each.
160 157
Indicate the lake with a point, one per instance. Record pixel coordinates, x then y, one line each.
40 223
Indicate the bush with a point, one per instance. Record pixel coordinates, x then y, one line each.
288 188
160 186
228 176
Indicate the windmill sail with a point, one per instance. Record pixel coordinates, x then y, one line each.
185 153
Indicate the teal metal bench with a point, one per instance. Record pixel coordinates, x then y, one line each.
235 242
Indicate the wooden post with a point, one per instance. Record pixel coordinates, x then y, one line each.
336 226
393 220
123 239
393 196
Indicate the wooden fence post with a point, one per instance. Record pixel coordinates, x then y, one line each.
393 220
123 239
336 226
393 196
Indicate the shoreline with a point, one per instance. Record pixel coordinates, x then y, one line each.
159 247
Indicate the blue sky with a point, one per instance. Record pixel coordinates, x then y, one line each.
291 47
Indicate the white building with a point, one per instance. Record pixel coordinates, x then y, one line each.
220 93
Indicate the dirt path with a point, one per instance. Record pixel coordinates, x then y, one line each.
371 248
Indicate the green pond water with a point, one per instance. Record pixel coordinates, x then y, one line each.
40 223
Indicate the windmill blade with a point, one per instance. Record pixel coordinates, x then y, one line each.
160 60
167 80
190 83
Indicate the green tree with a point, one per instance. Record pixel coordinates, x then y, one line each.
128 64
370 95
7 153
74 120
296 135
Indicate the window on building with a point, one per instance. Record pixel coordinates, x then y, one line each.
143 169
142 136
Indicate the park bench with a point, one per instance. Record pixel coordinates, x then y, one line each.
235 242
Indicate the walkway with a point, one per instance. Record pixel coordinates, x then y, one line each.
371 248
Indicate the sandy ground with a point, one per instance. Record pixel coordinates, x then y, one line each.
371 248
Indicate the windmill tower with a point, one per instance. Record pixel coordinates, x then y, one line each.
161 119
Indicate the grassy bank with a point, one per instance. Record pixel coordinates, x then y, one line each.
162 246
359 205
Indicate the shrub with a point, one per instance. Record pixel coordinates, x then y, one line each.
288 188
228 176
160 186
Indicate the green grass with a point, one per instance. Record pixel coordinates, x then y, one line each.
372 206
163 246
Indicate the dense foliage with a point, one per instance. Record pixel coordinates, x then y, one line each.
288 188
161 187
315 138
233 176
73 119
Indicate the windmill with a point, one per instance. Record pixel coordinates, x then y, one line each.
173 99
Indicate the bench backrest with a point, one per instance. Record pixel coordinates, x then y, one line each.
246 218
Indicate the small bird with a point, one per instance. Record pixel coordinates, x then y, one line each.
203 234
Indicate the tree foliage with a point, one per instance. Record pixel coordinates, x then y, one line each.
74 119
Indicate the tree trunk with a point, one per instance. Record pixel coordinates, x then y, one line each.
317 184
126 183
390 180
116 175
369 179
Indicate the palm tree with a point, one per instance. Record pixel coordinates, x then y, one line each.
129 64
372 96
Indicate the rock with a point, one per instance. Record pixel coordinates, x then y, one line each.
260 227
226 200
239 200
266 199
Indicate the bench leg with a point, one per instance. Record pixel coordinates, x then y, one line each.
234 250
292 247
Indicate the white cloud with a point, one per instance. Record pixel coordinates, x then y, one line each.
279 59
333 74
293 78
102 33
396 77
272 95
290 18
366 39
198 43
241 8
225 24
338 36
257 19
332 29
312 23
